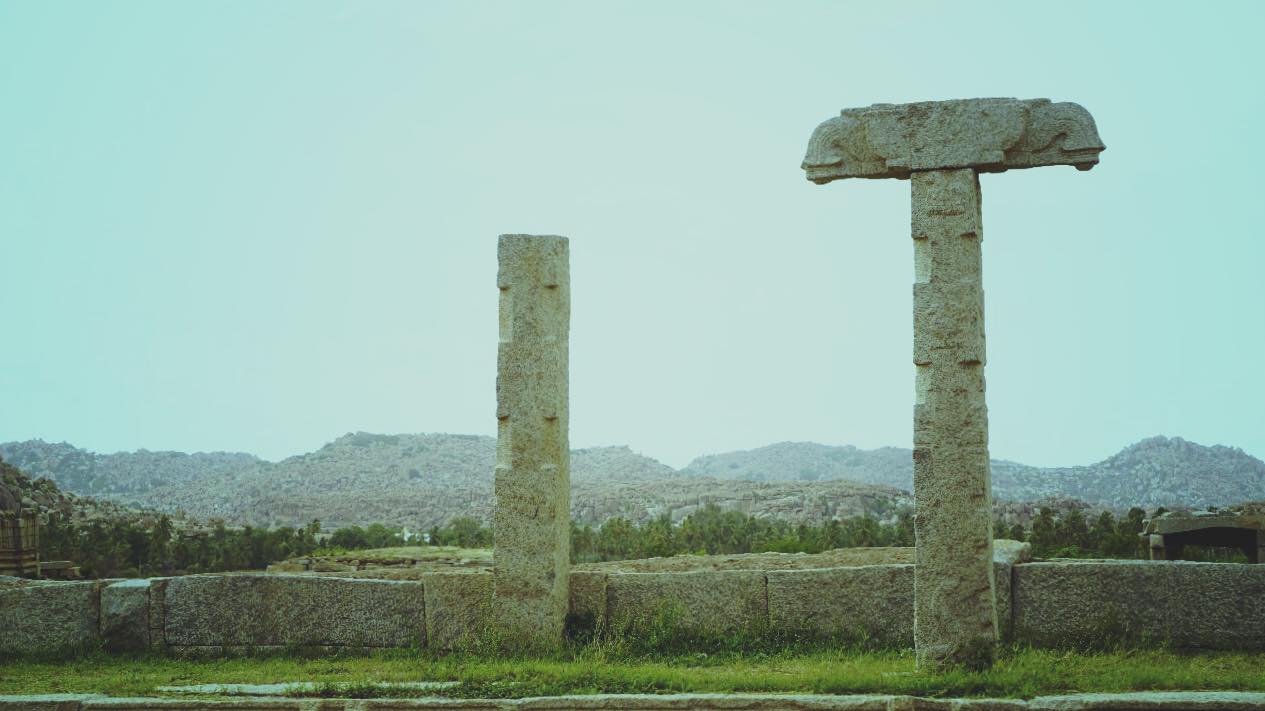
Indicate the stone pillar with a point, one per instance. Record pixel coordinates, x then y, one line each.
533 485
955 614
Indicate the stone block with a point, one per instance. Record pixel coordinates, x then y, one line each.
458 609
1186 605
157 613
988 135
874 602
698 602
49 618
292 610
125 616
588 599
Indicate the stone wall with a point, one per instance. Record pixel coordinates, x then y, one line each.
1060 603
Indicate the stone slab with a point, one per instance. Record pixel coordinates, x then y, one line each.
292 610
587 606
50 618
716 602
1134 701
284 688
125 616
1187 605
986 135
873 602
458 609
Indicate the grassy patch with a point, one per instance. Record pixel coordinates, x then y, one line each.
606 668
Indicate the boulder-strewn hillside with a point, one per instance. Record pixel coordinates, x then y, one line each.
428 479
1159 471
20 491
809 461
120 476
425 480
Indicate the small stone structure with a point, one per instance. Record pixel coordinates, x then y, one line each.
19 543
532 522
942 147
1171 532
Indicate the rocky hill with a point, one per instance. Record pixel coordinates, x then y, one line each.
1159 471
125 475
428 479
20 491
420 481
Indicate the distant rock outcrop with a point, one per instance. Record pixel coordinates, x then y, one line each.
1159 471
119 476
420 480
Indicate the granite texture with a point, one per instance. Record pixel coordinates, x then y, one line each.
292 610
533 483
985 135
50 618
1183 604
703 602
458 609
955 616
125 616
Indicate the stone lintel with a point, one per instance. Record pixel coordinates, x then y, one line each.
987 135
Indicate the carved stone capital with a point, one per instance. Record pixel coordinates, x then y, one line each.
988 135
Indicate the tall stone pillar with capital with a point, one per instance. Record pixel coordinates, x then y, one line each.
532 524
942 147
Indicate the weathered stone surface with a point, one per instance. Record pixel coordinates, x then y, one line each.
158 613
258 610
710 602
1192 605
871 601
458 609
588 598
986 135
48 618
955 618
44 702
533 483
1153 701
1134 701
942 147
1011 552
125 616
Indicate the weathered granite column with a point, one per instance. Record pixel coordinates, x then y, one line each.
942 147
955 616
533 483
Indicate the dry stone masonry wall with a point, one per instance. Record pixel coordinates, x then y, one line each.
1055 604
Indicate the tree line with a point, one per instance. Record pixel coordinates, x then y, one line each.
152 546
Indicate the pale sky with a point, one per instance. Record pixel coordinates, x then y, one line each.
257 226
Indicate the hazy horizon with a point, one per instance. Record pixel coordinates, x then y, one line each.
674 465
246 227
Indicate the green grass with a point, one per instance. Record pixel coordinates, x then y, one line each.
602 668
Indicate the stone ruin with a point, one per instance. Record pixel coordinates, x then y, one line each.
962 595
533 484
941 148
1168 535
